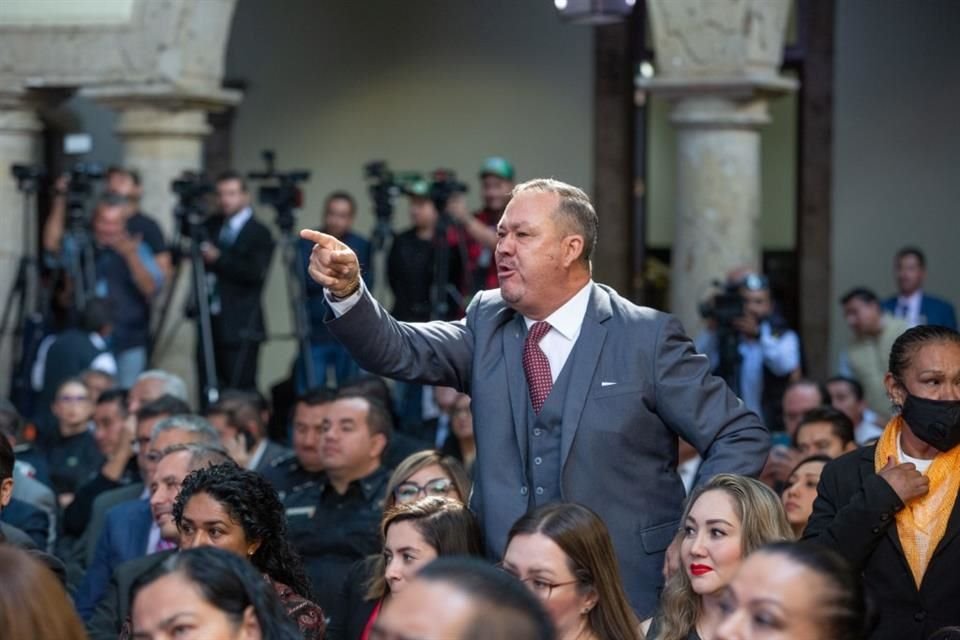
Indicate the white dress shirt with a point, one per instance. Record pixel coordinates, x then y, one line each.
565 324
257 456
908 308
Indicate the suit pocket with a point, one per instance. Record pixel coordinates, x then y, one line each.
617 390
658 537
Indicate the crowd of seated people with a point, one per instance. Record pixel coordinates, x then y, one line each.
130 515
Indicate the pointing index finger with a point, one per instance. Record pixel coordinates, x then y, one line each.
320 238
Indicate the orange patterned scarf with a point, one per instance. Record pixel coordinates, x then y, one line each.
922 523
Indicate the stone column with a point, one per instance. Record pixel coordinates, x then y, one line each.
718 64
18 145
163 137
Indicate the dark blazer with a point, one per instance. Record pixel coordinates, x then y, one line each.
933 310
126 533
28 519
854 515
241 271
636 384
352 611
98 516
114 608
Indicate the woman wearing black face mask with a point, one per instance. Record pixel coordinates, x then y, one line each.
891 509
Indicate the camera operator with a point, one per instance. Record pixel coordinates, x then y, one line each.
126 182
769 351
496 185
339 213
238 261
411 270
126 276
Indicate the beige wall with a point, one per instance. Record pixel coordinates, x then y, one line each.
896 145
420 83
778 182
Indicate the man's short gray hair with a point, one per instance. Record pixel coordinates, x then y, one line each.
202 455
190 424
575 209
173 385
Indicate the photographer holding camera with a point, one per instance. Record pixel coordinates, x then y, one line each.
768 352
125 272
237 262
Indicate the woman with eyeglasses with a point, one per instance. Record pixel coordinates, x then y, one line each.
563 554
424 474
414 533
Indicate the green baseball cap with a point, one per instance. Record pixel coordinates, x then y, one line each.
497 166
417 189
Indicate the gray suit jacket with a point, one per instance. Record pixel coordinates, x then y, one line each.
637 383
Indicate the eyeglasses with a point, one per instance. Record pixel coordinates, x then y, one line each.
538 586
67 399
408 491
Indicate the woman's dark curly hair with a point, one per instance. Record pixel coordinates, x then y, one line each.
254 504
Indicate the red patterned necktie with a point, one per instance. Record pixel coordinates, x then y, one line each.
536 366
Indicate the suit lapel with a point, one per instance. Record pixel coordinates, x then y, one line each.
585 356
867 469
140 530
513 336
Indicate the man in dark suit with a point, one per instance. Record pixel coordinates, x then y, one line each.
126 535
238 256
578 395
912 303
339 213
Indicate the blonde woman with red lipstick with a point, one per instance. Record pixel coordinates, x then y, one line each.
724 520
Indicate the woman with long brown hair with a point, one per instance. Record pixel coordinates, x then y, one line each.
562 552
724 521
413 533
33 603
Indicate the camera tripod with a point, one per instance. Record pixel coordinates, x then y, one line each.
23 297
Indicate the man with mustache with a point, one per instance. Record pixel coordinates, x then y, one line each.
334 521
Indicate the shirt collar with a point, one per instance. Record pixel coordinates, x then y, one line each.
912 298
237 221
257 455
369 486
568 319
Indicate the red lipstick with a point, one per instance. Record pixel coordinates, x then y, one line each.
700 569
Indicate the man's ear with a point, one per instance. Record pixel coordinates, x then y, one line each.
378 444
573 248
6 492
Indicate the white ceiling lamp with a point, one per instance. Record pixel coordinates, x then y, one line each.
592 12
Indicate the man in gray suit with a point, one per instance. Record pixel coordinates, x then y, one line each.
578 394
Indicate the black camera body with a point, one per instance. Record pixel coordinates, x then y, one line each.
443 185
83 176
192 191
284 195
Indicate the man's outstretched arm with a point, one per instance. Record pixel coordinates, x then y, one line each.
437 353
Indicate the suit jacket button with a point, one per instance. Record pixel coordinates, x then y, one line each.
884 517
920 616
876 529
